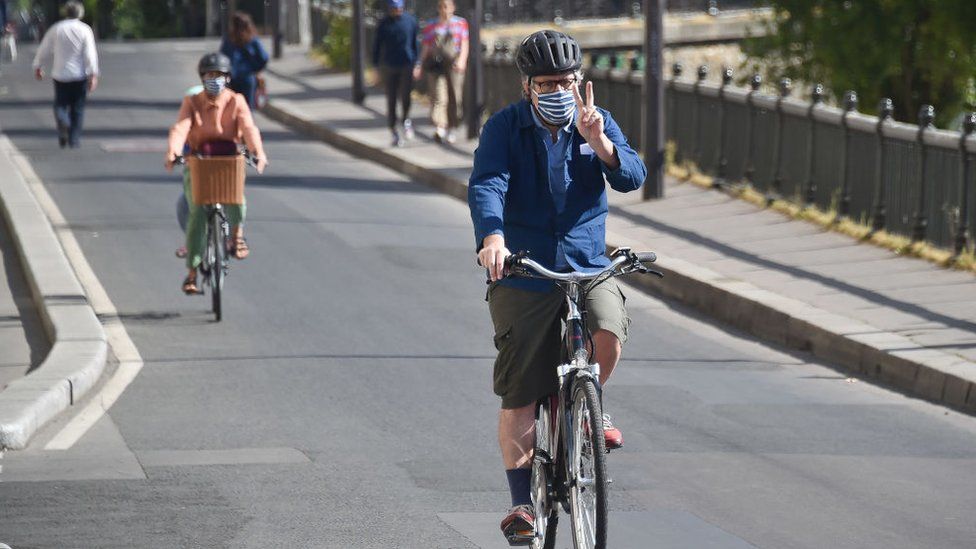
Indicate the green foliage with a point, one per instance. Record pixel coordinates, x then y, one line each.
128 19
337 43
914 51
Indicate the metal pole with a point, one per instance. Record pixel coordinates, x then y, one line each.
223 18
926 115
750 170
358 52
676 70
962 236
722 162
476 88
885 110
653 127
816 97
696 151
776 190
276 28
850 105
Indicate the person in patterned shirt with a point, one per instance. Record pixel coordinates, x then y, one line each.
443 59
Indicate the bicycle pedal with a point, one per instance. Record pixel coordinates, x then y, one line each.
520 538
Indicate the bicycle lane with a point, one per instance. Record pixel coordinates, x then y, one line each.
345 401
317 103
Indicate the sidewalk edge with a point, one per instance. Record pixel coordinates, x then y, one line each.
857 347
79 345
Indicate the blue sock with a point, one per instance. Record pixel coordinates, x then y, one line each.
519 484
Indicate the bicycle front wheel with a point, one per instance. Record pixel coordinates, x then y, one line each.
218 258
588 468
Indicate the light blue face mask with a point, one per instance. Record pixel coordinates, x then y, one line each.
214 85
556 108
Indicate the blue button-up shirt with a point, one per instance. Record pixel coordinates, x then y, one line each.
509 192
559 180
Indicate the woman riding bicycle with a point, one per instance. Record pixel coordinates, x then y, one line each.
213 122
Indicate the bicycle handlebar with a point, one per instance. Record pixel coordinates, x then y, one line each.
519 264
249 159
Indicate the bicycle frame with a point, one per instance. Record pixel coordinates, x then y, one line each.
214 210
578 364
560 420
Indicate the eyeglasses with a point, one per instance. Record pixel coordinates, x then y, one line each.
549 86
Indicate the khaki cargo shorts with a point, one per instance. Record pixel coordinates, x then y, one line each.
528 336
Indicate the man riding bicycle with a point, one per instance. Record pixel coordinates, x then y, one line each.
539 184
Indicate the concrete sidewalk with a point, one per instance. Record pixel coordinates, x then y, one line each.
901 321
23 342
75 358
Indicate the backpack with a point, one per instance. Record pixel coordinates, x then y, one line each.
442 55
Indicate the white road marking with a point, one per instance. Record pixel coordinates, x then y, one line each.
124 349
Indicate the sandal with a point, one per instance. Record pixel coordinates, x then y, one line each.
190 286
240 248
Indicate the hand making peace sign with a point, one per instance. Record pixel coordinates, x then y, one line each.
589 121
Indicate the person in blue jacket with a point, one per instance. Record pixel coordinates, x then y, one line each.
539 184
247 56
395 54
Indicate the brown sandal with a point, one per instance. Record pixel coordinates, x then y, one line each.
190 286
240 248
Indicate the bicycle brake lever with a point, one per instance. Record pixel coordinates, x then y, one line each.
658 274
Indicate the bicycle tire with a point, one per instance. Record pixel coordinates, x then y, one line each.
588 456
545 508
217 267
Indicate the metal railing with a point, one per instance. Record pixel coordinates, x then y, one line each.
908 180
504 12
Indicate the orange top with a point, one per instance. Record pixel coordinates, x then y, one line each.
223 118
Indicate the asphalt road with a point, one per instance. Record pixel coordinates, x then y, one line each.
345 401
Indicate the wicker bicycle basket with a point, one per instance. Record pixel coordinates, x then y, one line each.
216 179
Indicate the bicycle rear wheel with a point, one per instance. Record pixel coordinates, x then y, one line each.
217 254
588 468
545 509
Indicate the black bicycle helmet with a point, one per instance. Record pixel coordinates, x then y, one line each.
548 52
214 62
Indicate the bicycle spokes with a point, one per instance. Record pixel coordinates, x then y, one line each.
588 490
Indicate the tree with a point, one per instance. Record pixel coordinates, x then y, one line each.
913 51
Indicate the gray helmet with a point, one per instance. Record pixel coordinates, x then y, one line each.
548 52
213 62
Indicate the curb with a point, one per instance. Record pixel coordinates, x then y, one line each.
859 348
79 350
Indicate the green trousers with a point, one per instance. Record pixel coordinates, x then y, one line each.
196 225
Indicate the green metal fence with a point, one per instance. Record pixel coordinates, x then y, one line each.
897 177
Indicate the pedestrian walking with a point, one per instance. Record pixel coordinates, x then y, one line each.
69 48
3 32
395 53
247 56
443 59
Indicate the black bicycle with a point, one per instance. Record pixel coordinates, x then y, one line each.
569 467
213 263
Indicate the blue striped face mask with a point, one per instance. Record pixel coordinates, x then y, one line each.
214 85
556 108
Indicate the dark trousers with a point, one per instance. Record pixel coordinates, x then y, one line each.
399 84
69 109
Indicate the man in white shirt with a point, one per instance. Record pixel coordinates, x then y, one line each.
69 47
